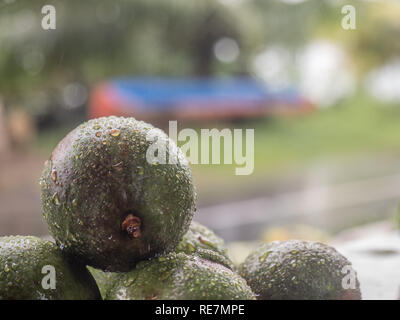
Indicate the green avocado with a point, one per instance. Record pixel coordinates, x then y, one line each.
204 243
199 241
27 265
105 280
297 270
177 276
106 204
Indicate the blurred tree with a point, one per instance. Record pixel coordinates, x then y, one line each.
97 39
94 40
296 23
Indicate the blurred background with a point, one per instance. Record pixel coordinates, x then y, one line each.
324 103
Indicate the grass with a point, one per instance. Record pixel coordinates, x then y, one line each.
353 127
357 127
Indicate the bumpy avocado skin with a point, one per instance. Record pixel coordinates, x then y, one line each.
198 240
177 276
98 175
297 270
21 262
204 243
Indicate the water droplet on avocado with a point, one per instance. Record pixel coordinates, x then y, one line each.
54 175
115 132
264 256
129 282
140 170
56 199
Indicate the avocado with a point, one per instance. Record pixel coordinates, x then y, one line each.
105 280
177 276
27 265
204 243
297 270
199 241
106 204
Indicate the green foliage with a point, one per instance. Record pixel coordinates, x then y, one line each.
94 40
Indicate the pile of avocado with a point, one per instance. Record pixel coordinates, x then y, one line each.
123 230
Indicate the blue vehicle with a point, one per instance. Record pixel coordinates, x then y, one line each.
192 98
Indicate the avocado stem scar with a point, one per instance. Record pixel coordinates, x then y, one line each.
131 225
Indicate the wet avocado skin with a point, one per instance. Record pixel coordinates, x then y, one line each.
297 270
104 280
177 276
199 241
96 176
204 243
21 263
